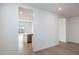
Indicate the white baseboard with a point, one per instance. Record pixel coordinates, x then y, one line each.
36 50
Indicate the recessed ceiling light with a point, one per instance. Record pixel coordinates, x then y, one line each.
59 8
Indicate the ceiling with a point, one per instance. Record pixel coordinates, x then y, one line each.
68 9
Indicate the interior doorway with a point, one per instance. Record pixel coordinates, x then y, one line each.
25 30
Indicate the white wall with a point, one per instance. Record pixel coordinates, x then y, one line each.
27 26
8 33
62 29
45 29
73 29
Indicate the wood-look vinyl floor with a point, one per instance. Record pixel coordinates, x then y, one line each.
61 49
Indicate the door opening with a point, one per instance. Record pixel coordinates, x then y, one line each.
25 30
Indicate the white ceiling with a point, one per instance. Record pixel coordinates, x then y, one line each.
68 9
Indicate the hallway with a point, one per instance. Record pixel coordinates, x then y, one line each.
24 47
